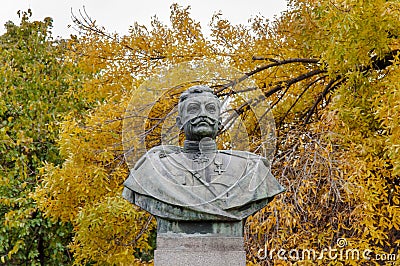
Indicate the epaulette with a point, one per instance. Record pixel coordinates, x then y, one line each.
164 150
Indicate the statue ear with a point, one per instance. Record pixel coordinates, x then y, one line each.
220 125
179 122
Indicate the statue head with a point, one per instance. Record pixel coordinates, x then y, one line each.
199 113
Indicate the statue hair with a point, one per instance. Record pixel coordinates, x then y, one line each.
194 91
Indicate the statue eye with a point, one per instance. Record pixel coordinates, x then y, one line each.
211 108
193 108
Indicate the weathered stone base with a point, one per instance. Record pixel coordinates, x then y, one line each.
199 250
215 228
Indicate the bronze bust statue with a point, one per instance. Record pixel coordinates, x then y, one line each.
197 182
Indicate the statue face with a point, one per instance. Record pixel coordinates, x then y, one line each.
199 117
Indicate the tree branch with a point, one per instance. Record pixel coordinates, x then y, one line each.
298 98
329 87
290 82
90 25
292 60
262 68
382 63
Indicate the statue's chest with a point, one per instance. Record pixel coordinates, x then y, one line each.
204 169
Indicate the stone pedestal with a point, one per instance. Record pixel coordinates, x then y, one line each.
214 228
179 249
199 243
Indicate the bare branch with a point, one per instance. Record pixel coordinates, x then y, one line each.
292 81
329 87
262 68
292 60
298 98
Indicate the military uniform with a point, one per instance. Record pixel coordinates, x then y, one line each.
219 185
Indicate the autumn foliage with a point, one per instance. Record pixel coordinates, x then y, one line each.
34 79
329 71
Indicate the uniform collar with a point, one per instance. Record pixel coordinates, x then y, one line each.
206 145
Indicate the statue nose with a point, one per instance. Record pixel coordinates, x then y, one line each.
203 111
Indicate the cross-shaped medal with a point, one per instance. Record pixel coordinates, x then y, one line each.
219 170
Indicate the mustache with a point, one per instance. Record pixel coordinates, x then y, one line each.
201 119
